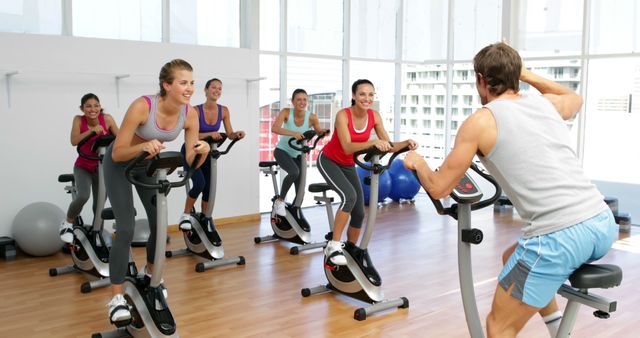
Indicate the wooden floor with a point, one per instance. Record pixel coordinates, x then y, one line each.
413 248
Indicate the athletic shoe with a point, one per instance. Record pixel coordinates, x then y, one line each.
185 222
333 255
147 276
66 232
118 310
279 206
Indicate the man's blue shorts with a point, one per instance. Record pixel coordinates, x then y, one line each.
540 264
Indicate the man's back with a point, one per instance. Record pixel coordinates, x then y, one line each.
534 163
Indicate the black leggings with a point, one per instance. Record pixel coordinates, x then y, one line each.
292 166
121 197
201 178
86 183
344 180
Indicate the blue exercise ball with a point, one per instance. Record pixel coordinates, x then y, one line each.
404 185
36 229
396 166
384 187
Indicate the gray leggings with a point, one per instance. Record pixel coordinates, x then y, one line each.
292 166
121 197
344 180
86 183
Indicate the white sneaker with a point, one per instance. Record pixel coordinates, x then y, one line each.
185 222
333 254
279 206
66 232
118 309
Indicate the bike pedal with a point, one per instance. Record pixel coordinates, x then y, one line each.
330 266
122 323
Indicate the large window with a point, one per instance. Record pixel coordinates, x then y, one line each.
322 80
270 25
315 26
118 19
472 27
269 103
383 81
425 30
549 28
614 26
428 129
373 28
465 97
31 16
315 75
204 22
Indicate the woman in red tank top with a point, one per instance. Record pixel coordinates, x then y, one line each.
352 132
84 170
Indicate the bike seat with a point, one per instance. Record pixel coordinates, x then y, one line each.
600 276
66 178
319 187
267 164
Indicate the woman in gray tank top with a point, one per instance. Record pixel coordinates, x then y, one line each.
149 122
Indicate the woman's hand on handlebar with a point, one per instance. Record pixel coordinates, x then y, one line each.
238 135
152 147
413 145
214 135
383 145
98 129
201 148
298 136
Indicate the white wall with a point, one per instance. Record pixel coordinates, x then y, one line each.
54 73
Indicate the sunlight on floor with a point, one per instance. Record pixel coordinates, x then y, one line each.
630 244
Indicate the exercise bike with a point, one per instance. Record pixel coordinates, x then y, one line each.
203 239
359 279
293 227
468 198
150 313
89 250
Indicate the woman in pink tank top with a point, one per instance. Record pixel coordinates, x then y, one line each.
149 122
84 170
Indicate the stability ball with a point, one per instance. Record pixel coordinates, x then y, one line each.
36 229
404 185
384 186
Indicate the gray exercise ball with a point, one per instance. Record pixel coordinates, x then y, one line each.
36 229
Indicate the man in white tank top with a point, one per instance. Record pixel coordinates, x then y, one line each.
525 144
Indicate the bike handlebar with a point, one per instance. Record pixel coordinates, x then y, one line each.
373 151
102 141
215 153
308 136
452 210
168 157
